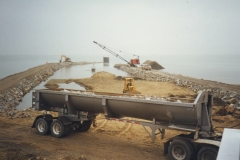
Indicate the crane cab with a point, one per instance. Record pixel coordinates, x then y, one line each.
135 61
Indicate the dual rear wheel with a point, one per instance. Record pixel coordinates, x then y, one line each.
207 153
180 150
43 126
57 128
183 150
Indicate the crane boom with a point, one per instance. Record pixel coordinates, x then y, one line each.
115 54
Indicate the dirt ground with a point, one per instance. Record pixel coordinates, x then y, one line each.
110 140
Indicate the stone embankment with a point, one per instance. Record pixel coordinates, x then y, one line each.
231 98
11 97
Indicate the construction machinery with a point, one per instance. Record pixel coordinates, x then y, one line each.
129 86
132 62
67 59
78 109
145 67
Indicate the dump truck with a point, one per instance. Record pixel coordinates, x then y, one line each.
78 109
146 67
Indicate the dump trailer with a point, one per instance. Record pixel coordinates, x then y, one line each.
78 109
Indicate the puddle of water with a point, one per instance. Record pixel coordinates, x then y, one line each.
71 85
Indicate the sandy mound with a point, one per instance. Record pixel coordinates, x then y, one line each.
153 64
104 74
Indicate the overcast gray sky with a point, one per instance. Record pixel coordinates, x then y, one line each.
135 26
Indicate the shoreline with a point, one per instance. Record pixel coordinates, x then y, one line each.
225 92
14 87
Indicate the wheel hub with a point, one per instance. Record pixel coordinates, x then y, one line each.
56 128
178 152
41 126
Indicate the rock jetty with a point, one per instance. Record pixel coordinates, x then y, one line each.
11 97
228 97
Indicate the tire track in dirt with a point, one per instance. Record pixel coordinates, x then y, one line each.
104 125
125 128
100 126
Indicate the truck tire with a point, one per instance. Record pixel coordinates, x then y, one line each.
84 126
207 153
58 130
42 126
180 149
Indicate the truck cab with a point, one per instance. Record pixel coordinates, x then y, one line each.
146 67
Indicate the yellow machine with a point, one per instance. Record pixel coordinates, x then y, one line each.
129 86
67 59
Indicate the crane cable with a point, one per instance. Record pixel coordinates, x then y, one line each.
113 53
121 51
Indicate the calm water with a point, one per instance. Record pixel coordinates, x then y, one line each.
78 71
220 68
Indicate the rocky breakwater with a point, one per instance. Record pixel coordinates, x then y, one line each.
229 99
11 97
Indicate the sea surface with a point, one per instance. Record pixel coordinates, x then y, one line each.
221 68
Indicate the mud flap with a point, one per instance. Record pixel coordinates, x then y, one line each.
165 147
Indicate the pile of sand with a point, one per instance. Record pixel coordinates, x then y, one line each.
103 74
153 64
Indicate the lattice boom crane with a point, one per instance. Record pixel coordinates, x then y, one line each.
131 63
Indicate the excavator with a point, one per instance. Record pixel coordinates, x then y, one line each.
67 59
132 62
129 86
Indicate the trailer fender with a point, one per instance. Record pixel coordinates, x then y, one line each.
48 117
64 120
165 146
207 142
